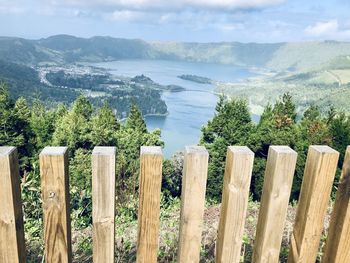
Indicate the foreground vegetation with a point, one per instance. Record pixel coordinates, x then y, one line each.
126 236
279 125
81 127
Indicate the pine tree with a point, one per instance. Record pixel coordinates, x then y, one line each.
14 125
231 125
135 120
104 127
42 123
277 126
74 127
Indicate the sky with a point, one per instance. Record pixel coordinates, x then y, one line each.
263 21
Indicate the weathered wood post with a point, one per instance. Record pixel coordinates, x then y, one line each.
278 181
149 205
103 203
192 203
55 197
12 247
235 195
321 165
337 248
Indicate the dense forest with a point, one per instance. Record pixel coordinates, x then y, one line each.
82 126
279 125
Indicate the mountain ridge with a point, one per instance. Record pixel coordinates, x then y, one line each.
270 56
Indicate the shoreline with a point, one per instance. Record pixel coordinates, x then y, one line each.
157 114
150 115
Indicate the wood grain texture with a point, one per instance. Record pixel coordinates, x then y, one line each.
149 204
192 203
12 247
103 203
235 195
278 181
337 248
55 197
320 168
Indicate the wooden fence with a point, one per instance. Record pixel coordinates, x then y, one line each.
314 198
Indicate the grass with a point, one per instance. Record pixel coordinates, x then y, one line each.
343 75
126 236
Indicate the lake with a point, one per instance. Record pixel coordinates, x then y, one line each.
188 110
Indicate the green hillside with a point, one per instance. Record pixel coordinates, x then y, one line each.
24 81
307 55
22 51
325 85
280 56
250 54
277 56
98 48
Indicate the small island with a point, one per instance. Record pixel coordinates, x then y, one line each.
144 80
174 88
195 78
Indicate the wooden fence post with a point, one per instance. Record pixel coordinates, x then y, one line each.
337 248
235 194
192 203
55 197
149 204
12 247
278 181
321 165
103 204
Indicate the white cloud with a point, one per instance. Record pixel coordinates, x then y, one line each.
127 15
8 7
323 28
331 29
228 27
173 5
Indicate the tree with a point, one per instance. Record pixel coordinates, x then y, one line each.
74 127
104 127
231 125
277 126
14 125
135 120
172 176
339 127
42 124
80 187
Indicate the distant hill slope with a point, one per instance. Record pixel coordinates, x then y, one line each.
98 48
23 51
24 81
250 54
278 56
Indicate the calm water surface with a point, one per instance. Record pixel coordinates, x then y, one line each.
188 110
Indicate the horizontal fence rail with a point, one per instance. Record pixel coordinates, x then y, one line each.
319 173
